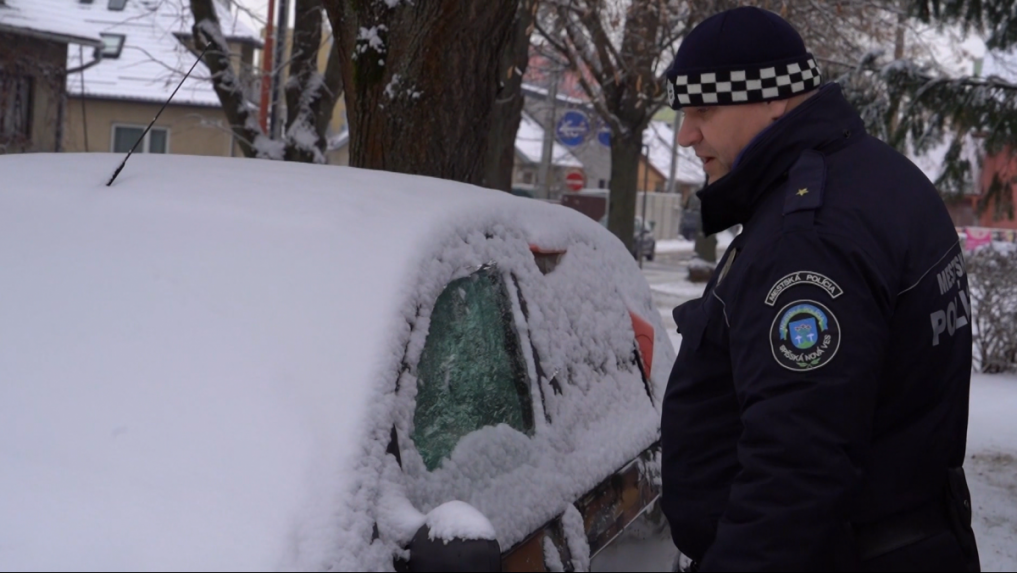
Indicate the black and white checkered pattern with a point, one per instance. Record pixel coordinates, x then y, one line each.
743 86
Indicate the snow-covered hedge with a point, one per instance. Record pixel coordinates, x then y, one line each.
992 276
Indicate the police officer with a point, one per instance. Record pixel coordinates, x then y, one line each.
816 415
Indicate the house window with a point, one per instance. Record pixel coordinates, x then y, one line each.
117 4
125 136
15 107
112 45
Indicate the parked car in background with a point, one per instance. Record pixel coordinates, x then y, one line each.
643 243
203 369
520 190
692 220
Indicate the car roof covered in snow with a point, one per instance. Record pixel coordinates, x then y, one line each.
189 357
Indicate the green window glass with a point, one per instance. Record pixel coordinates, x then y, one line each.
471 372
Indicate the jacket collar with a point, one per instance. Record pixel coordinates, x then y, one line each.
820 122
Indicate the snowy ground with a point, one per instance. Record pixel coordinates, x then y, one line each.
991 465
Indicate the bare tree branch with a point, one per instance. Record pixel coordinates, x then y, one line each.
240 114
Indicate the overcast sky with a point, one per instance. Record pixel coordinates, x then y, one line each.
260 7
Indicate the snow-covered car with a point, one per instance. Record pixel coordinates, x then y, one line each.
202 367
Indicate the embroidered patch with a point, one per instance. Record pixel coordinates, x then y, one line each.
804 336
803 278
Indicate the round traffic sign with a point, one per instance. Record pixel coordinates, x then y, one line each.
604 136
575 180
573 128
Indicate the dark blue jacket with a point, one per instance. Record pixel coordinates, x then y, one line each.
822 380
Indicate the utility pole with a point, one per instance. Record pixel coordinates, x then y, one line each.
267 75
671 178
642 222
277 83
544 172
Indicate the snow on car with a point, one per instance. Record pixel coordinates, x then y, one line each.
236 364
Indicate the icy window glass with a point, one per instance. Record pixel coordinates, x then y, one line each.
471 372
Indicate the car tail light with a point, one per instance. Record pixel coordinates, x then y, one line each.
546 259
644 339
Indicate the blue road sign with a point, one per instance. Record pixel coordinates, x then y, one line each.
604 136
573 128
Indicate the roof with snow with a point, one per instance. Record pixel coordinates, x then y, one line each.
154 58
203 364
530 145
659 135
53 19
534 90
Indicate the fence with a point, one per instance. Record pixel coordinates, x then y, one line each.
665 209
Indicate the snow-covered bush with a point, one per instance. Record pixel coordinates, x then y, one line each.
992 276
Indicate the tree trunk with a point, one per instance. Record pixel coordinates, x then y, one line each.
421 81
508 106
626 149
241 117
310 97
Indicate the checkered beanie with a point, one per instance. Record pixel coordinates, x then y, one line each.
744 55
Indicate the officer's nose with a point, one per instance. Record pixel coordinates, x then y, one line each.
689 134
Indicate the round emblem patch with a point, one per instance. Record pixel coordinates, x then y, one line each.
805 335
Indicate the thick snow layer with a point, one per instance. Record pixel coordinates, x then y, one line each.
203 363
458 520
56 18
575 537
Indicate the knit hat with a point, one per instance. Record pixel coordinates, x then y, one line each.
744 55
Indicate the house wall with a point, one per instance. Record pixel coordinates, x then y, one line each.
193 130
525 175
649 178
595 157
1003 164
46 63
339 156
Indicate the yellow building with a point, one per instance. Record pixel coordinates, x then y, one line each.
145 53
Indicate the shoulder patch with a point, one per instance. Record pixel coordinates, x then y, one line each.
803 278
806 183
805 335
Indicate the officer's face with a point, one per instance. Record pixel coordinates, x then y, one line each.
719 133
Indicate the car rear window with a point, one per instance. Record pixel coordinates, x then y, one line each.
471 372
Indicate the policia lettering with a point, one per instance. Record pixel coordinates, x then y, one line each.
803 278
804 336
955 315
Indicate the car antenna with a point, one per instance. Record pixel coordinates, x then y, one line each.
140 139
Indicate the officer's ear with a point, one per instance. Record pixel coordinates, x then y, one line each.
782 107
777 108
